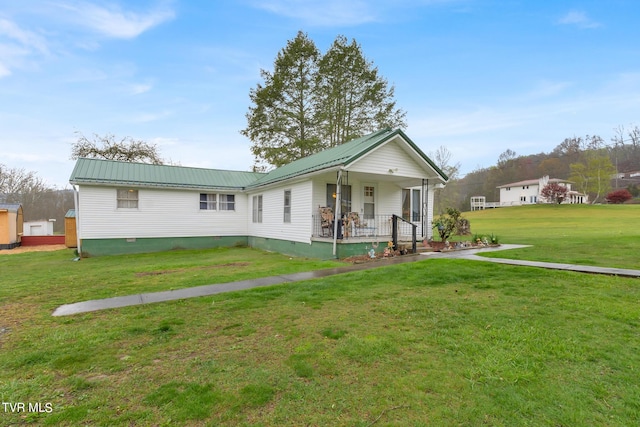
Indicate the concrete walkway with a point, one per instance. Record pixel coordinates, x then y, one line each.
200 291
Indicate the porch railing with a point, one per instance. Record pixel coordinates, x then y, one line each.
397 223
359 227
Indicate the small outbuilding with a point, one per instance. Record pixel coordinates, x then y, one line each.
70 235
11 225
39 228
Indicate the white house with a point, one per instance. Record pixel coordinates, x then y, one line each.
529 192
335 203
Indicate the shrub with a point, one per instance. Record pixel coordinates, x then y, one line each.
491 239
554 192
450 223
619 196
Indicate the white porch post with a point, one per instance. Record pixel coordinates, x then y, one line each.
337 213
425 208
76 205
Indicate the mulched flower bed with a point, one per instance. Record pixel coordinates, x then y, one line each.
431 247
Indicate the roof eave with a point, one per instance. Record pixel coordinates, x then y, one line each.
154 185
295 177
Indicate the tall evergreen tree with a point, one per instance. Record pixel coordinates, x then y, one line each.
310 102
281 121
355 99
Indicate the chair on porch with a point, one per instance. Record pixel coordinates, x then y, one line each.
356 227
326 220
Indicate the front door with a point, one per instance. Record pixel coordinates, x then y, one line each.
369 199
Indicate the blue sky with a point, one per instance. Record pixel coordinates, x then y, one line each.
476 76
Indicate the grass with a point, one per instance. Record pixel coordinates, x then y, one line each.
601 235
60 279
436 342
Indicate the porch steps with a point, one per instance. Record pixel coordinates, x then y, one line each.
420 247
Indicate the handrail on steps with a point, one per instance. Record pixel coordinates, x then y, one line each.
394 233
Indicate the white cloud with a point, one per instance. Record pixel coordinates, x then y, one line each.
579 19
546 88
137 89
458 123
25 38
17 44
112 21
343 13
322 13
149 117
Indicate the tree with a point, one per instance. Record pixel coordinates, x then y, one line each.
505 157
38 200
593 175
312 101
553 167
570 147
619 196
19 186
354 99
446 196
554 192
282 121
108 147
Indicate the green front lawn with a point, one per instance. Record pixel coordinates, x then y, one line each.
602 235
436 342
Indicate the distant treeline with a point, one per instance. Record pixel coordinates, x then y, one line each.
623 153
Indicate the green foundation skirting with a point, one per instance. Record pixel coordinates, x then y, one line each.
315 249
99 247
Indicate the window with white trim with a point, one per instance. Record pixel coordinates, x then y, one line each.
214 201
287 206
227 202
208 202
127 199
257 208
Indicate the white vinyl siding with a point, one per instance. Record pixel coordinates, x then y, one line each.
390 159
160 213
273 226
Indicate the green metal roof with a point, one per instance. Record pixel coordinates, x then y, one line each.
71 213
109 172
341 155
97 171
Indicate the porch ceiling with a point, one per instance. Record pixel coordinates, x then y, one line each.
400 181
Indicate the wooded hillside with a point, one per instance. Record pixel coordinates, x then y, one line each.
570 160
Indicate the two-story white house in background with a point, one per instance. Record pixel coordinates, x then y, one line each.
335 203
529 192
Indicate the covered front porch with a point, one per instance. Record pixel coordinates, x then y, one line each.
352 228
369 209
